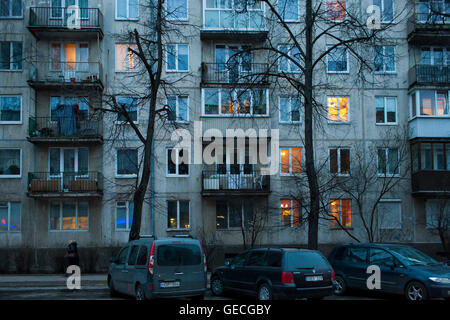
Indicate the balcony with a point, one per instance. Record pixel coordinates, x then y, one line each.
429 75
66 75
65 129
429 127
87 23
229 24
65 185
224 185
431 183
224 73
428 29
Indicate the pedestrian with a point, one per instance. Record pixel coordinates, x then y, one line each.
71 257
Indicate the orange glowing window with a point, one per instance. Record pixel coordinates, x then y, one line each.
284 160
341 212
336 10
296 159
338 109
291 159
290 213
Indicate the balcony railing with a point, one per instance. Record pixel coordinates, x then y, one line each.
213 182
55 17
431 182
225 73
65 183
429 74
59 127
428 28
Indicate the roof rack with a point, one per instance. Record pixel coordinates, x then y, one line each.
183 236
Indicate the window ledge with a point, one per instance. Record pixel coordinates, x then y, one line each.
126 176
341 228
177 230
387 124
340 123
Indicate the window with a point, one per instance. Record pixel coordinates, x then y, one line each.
356 255
239 260
130 105
178 108
430 103
66 215
386 9
10 216
289 60
126 60
435 56
239 15
341 212
127 9
69 161
291 160
256 258
124 215
133 255
380 257
70 57
431 11
11 9
178 215
386 110
82 102
289 109
233 63
10 109
228 102
122 256
274 258
142 257
337 60
233 214
290 213
388 161
336 10
11 55
389 214
338 109
384 59
10 163
340 160
177 164
288 10
430 156
177 10
437 213
127 162
177 57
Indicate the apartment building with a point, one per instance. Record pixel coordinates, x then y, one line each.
65 175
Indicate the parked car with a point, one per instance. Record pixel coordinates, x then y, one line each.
151 267
404 270
275 274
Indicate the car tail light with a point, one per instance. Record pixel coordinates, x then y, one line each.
151 260
333 275
287 277
204 258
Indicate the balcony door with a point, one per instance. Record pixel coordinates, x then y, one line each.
230 64
235 175
59 13
68 164
69 58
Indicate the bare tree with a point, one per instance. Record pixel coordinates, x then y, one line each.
253 225
439 222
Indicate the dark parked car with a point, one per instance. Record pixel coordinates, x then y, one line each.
404 270
275 274
150 267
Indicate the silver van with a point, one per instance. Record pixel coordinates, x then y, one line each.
157 268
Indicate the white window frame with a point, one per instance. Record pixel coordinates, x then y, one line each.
291 207
418 102
289 20
290 162
21 108
169 17
347 71
396 201
176 174
135 69
11 55
125 176
387 174
339 169
242 206
445 53
10 11
127 18
235 113
19 176
338 110
178 215
119 122
176 57
383 21
386 123
290 109
8 222
61 160
127 208
178 96
340 212
60 229
62 56
384 60
289 62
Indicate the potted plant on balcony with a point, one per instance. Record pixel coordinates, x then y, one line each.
211 183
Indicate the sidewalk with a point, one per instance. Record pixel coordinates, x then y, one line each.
46 281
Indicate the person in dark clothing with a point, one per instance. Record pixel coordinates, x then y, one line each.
71 257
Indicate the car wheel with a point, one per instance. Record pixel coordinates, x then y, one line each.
264 292
112 290
340 286
216 286
140 294
416 291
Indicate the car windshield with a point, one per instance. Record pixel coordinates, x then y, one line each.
411 256
306 260
180 254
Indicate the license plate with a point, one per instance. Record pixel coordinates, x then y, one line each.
314 278
172 284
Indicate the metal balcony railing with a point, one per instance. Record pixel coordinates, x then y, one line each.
429 74
250 182
227 73
66 72
64 127
56 17
65 182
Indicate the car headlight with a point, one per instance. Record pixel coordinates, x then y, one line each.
440 280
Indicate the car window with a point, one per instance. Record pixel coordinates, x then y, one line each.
256 258
380 257
239 260
142 257
273 258
306 260
133 255
178 254
339 253
122 257
357 255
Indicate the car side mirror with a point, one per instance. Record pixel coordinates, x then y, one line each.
227 263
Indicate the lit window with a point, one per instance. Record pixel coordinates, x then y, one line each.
386 110
289 109
66 215
235 102
124 215
340 161
337 60
384 59
338 109
341 212
336 10
10 216
177 57
178 215
291 159
388 161
290 213
430 103
126 60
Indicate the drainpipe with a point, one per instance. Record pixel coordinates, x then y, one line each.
152 205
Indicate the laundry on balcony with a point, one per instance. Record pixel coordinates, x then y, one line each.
67 119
